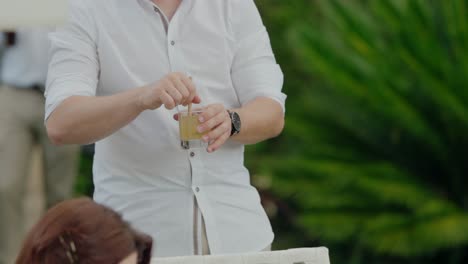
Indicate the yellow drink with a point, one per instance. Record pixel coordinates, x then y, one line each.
188 127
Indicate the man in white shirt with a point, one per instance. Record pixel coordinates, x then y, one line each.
23 72
116 76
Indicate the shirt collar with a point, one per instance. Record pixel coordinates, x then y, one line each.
183 10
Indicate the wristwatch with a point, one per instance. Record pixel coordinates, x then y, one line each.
235 123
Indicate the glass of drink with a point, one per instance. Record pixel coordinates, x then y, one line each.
188 123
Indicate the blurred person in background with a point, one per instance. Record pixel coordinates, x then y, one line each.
23 71
82 231
118 71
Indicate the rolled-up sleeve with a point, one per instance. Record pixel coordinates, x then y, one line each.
254 71
74 65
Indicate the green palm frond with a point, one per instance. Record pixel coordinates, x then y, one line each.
376 137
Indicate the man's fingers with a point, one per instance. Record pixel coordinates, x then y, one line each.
190 88
224 127
213 122
180 86
175 94
188 83
218 143
210 111
196 99
167 100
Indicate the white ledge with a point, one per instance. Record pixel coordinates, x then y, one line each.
292 256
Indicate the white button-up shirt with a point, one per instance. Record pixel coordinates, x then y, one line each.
141 170
25 63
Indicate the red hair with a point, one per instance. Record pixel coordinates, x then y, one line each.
82 231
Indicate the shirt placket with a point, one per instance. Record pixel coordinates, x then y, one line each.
177 61
197 169
175 57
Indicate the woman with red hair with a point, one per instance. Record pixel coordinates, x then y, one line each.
80 231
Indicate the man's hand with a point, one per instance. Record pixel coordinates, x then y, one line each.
172 90
216 120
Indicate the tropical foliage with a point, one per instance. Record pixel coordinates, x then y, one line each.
375 150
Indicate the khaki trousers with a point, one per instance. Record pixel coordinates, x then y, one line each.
21 128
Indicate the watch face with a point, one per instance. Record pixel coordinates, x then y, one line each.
236 122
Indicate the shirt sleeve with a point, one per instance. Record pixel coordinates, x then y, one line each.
74 64
254 71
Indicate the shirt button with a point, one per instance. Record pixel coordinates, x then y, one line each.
192 154
172 43
197 189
